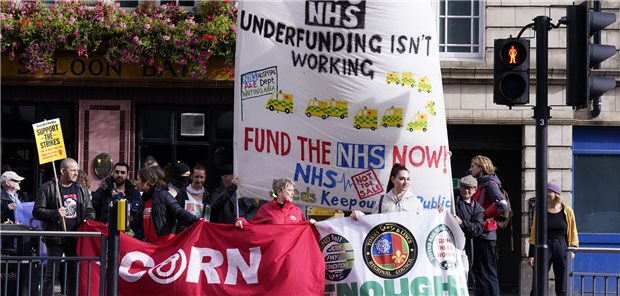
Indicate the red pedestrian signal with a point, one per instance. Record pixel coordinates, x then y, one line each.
511 83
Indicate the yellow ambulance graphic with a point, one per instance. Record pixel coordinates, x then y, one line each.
430 108
280 101
420 122
365 118
337 108
408 79
392 77
317 108
424 84
392 117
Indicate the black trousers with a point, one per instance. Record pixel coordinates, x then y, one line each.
484 268
557 256
69 248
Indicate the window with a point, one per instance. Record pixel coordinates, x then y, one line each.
596 191
460 29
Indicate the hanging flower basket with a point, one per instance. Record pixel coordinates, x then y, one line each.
148 35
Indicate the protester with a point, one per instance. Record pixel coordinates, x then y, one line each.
9 181
194 198
158 214
84 180
469 214
116 186
399 197
150 162
281 209
224 199
561 233
180 178
489 195
76 207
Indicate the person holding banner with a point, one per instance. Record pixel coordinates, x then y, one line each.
399 197
469 215
281 209
489 195
157 217
226 202
10 198
75 208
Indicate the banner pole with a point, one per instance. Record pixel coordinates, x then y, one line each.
64 223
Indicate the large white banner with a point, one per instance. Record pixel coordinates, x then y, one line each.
333 93
412 254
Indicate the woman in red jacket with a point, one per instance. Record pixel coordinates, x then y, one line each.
281 209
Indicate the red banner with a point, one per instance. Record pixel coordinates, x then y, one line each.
214 259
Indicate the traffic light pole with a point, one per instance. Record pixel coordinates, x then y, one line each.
542 25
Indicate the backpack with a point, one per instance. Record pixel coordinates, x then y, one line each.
502 220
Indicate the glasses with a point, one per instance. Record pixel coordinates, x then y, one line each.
468 188
16 181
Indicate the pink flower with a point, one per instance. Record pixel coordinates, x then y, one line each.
71 20
188 33
147 26
165 37
122 25
171 26
233 28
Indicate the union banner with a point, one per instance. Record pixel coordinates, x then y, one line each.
400 253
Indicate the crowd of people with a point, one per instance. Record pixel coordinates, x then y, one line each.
159 210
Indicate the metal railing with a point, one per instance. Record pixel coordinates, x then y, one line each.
24 275
593 275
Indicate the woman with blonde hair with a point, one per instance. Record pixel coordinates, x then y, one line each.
562 233
490 196
281 209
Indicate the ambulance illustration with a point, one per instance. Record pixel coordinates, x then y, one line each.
392 77
392 117
420 122
317 108
365 118
280 101
424 85
430 108
337 108
408 79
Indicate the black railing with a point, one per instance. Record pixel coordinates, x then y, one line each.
23 269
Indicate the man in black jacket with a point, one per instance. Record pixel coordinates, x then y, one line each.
75 208
116 186
223 200
469 215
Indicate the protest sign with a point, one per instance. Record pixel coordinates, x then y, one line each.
50 143
332 94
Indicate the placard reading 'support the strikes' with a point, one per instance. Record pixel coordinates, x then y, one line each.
332 94
50 143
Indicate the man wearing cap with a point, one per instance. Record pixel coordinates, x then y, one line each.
10 199
223 199
469 215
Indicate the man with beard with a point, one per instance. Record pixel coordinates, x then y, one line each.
116 186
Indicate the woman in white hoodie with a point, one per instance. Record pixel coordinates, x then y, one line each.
399 196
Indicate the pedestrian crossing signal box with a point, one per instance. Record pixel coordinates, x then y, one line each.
511 72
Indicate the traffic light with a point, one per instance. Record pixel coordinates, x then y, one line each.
511 82
581 55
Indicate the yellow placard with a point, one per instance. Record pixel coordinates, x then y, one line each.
50 143
321 212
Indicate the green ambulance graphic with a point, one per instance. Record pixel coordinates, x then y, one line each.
365 118
430 108
280 102
392 117
316 108
336 108
424 84
420 122
408 79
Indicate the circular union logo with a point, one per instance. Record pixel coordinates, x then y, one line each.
440 247
339 257
390 250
